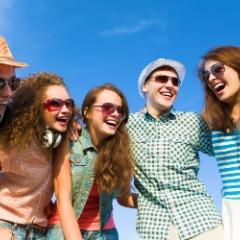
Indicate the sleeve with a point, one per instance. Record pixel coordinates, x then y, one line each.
204 140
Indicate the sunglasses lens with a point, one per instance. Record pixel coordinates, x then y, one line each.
164 79
121 111
217 69
14 83
2 83
108 108
175 82
69 103
55 104
161 79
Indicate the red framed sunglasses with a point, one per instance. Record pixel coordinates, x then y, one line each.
12 82
56 104
217 70
109 108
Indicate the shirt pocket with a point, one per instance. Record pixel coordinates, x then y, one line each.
180 151
78 159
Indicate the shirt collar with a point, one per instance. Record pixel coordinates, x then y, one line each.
86 140
171 114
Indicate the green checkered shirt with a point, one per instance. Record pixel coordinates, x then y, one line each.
165 153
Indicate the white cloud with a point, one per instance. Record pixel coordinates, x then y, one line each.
140 26
5 21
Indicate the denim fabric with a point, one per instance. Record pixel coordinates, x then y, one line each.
24 232
56 233
83 156
109 234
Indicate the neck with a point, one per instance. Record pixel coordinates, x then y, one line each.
96 141
236 112
155 112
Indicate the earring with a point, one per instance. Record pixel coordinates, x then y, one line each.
50 138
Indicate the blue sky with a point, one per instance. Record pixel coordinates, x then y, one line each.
92 42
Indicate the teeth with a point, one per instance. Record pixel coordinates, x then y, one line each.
111 122
168 94
63 117
219 85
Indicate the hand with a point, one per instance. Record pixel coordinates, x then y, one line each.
6 234
75 131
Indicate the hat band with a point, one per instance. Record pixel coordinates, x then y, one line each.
8 58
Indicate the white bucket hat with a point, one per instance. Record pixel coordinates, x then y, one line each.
179 68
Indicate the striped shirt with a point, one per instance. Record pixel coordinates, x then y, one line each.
226 148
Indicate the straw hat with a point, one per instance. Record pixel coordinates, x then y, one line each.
6 56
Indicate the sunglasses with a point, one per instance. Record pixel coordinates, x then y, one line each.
162 79
109 108
12 82
56 104
217 70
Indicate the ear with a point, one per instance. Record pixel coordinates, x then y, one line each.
85 113
145 87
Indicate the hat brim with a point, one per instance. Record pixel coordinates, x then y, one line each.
13 63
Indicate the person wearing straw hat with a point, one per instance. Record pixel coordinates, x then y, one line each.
8 80
172 201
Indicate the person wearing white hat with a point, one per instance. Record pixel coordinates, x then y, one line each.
172 201
8 80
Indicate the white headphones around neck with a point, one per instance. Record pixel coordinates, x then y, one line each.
50 138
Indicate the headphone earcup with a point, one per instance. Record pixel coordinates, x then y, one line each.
50 139
57 140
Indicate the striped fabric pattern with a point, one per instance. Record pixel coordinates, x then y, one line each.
226 148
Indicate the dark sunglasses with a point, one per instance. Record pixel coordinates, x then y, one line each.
56 104
164 79
217 70
12 82
109 108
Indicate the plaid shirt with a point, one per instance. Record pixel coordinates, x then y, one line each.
166 158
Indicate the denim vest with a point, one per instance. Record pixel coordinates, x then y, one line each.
83 156
82 159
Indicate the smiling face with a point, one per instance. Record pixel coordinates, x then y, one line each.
160 96
57 119
6 93
225 86
100 124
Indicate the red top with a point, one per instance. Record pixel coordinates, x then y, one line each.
89 219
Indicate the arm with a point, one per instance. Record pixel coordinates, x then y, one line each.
63 191
128 200
205 141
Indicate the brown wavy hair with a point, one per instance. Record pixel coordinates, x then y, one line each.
24 121
113 167
216 113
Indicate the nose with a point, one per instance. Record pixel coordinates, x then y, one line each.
6 92
211 78
169 83
64 108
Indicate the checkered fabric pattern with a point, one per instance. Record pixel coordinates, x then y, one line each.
166 160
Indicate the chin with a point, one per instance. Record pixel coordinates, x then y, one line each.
59 129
